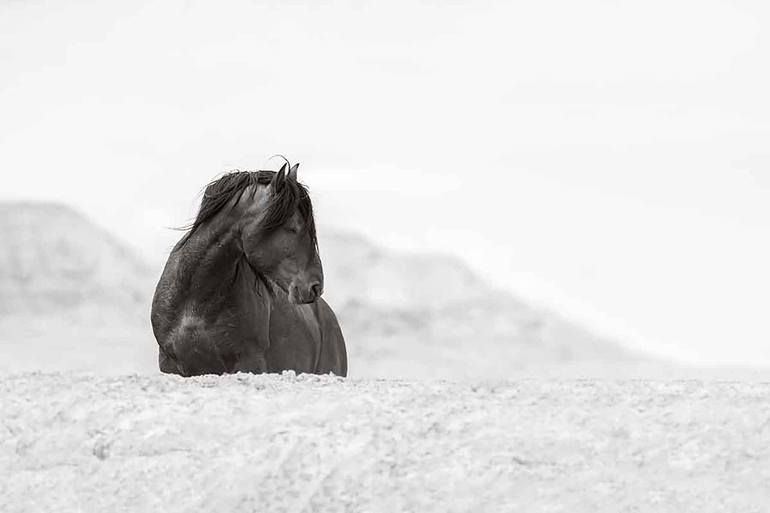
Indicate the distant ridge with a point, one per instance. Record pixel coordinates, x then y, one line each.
430 315
72 296
53 258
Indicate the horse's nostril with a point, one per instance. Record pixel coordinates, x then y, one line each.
316 289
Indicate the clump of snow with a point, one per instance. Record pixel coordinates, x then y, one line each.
73 442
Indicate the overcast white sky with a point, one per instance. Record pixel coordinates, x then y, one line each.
610 159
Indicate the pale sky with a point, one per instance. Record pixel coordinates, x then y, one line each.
610 160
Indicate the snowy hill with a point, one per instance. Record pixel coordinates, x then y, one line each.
74 297
71 294
246 443
52 257
426 315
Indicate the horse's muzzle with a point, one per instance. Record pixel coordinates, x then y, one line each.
301 295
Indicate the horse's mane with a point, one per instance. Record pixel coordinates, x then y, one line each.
281 205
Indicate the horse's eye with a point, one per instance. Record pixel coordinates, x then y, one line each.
291 229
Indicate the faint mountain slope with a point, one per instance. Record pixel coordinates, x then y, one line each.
73 297
52 257
357 270
430 315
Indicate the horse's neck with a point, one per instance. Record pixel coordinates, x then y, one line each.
213 266
209 259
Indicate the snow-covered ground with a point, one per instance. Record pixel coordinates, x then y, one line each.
574 438
73 442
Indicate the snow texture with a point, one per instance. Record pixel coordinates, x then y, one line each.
246 443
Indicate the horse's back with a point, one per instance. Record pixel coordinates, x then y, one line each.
187 344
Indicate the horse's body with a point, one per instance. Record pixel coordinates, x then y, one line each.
241 291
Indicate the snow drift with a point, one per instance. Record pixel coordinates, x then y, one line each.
246 443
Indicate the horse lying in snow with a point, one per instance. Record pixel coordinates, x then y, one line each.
241 291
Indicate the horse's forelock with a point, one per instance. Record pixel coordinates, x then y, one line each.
292 197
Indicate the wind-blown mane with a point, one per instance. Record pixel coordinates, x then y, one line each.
292 197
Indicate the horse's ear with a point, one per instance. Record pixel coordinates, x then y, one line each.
279 180
293 172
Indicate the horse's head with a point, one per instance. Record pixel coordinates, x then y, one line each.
278 237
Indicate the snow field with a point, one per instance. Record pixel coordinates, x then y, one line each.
242 443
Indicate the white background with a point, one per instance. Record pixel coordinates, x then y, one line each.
609 159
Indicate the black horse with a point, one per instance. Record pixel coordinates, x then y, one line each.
241 291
